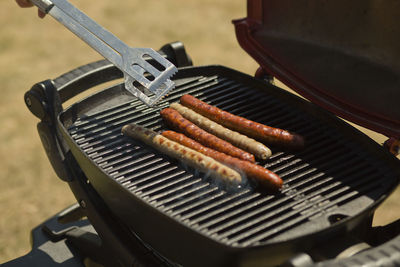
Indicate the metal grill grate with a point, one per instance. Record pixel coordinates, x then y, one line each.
319 181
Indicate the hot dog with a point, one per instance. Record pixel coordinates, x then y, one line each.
250 128
188 156
263 176
175 120
248 144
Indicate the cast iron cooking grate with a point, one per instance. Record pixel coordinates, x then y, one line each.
323 183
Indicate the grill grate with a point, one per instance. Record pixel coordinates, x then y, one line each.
319 181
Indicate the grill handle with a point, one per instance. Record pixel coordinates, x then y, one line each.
85 77
385 253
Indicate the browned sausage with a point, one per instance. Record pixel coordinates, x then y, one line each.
250 128
188 156
250 145
263 176
175 120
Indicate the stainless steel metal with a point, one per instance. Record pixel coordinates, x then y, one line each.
139 74
43 5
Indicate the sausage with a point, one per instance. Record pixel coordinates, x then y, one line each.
248 144
250 128
188 156
264 177
175 120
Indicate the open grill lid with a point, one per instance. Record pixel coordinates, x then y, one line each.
341 55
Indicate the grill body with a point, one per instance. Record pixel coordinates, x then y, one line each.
330 187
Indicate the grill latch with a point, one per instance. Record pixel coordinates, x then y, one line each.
44 102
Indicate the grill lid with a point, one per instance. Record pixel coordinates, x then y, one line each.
341 55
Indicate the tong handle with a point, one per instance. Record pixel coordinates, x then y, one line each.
100 39
131 61
92 26
43 5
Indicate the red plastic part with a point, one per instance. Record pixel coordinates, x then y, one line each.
249 32
393 145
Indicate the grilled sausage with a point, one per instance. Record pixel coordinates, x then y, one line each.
250 128
263 176
173 118
188 156
248 144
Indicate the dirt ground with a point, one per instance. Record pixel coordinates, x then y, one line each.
32 50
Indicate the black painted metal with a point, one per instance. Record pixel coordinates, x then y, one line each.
339 177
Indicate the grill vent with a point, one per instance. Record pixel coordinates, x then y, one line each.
318 181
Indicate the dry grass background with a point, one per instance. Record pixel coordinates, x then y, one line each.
32 50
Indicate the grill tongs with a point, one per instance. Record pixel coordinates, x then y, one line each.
154 78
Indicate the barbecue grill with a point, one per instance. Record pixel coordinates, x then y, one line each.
149 209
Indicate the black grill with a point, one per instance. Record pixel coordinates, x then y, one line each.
331 179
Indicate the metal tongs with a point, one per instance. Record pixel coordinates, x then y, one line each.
139 74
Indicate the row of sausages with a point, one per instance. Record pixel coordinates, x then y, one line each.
219 137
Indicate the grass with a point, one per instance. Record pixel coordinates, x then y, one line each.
33 50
